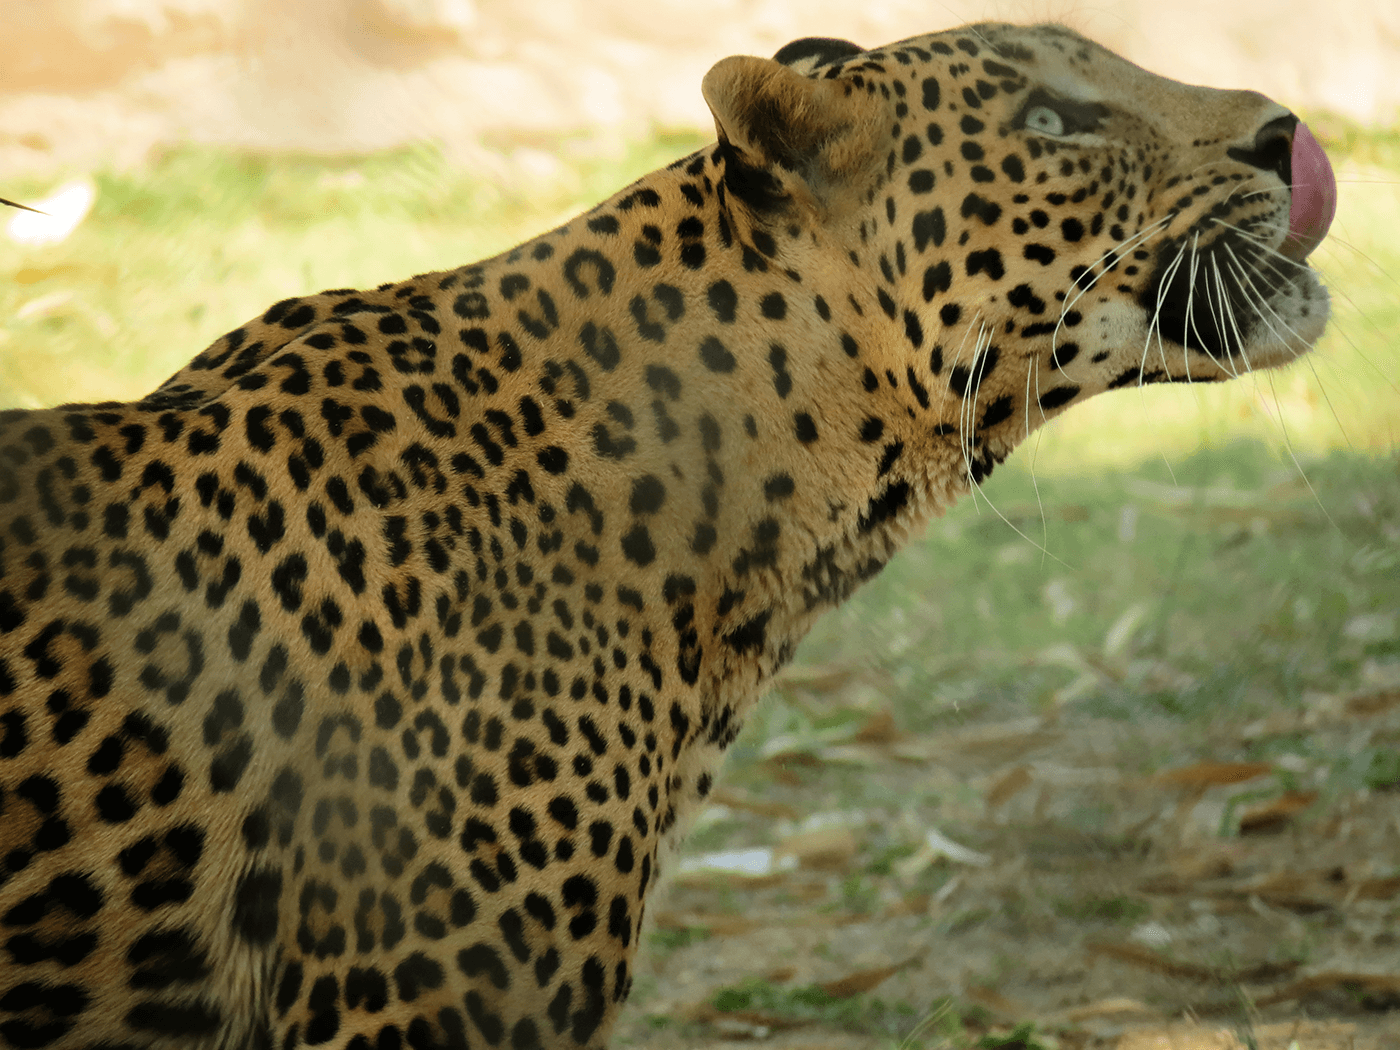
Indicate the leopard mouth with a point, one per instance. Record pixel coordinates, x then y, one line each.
1239 290
1314 200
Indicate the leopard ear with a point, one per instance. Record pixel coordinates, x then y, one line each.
811 53
770 116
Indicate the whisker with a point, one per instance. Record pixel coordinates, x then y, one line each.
1342 333
1264 302
1030 370
1229 307
1156 322
1242 275
1290 187
1321 388
1215 305
1256 239
974 484
1223 283
1288 444
1040 505
1121 249
21 207
962 403
1156 325
1190 321
1035 484
1333 240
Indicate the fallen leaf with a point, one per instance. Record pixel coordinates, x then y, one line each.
909 904
943 846
855 754
732 800
819 678
1372 703
879 728
731 925
783 759
1213 774
1007 786
1005 741
862 980
1375 889
1375 991
1312 1035
1206 863
1148 959
1280 723
1302 892
1274 815
828 849
935 846
807 892
1105 1008
749 868
1263 973
993 1000
44 306
743 1024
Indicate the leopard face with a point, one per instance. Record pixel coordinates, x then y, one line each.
353 682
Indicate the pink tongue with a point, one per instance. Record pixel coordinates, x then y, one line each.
1314 195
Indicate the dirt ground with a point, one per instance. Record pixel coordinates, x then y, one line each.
1102 905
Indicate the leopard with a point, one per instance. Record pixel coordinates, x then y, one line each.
358 683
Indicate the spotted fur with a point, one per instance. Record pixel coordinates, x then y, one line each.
352 682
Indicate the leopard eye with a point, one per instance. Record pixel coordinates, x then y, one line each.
1044 120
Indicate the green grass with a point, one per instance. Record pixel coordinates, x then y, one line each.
177 254
1121 910
670 940
940 1026
1287 481
810 1003
1173 552
1093 548
1234 586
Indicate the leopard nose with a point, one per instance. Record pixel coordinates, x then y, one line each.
1272 149
1287 148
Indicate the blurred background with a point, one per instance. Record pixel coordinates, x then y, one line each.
1120 738
103 81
